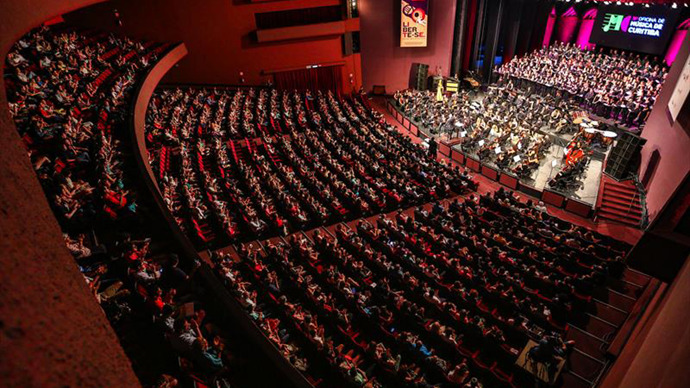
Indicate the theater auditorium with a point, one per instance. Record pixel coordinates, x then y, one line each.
345 194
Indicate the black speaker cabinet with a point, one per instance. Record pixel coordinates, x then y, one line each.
625 156
418 76
350 43
434 81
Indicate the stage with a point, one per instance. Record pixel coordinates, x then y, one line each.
552 163
580 199
538 180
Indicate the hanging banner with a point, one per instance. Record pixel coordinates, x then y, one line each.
680 92
413 23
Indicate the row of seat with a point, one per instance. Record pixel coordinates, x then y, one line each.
68 93
337 166
412 297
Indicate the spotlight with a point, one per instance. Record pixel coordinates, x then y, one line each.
646 5
618 3
674 6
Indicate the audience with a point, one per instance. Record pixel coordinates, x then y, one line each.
442 295
331 162
67 92
424 300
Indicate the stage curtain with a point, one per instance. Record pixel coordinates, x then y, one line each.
676 42
586 30
567 26
320 78
550 24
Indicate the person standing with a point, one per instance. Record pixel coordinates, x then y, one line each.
433 147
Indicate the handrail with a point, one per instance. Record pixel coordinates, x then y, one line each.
206 274
644 218
140 103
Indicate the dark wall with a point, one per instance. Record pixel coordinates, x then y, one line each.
52 331
218 35
384 62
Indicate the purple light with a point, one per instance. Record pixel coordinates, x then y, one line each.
676 42
549 27
567 25
586 29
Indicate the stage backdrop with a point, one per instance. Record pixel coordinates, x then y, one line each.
635 28
414 22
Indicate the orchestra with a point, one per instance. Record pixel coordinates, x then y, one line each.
511 128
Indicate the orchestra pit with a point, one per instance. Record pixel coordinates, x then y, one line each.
345 194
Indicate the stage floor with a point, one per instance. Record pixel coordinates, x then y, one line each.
589 181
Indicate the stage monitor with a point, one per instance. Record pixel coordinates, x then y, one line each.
635 28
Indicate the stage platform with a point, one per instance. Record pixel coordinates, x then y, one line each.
538 181
589 182
580 200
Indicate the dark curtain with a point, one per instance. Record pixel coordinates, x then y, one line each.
320 78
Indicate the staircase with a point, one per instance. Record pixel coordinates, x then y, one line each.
620 202
609 315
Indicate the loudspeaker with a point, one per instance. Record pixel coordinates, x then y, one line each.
347 44
418 75
625 156
350 43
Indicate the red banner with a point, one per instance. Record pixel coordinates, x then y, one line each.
414 22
